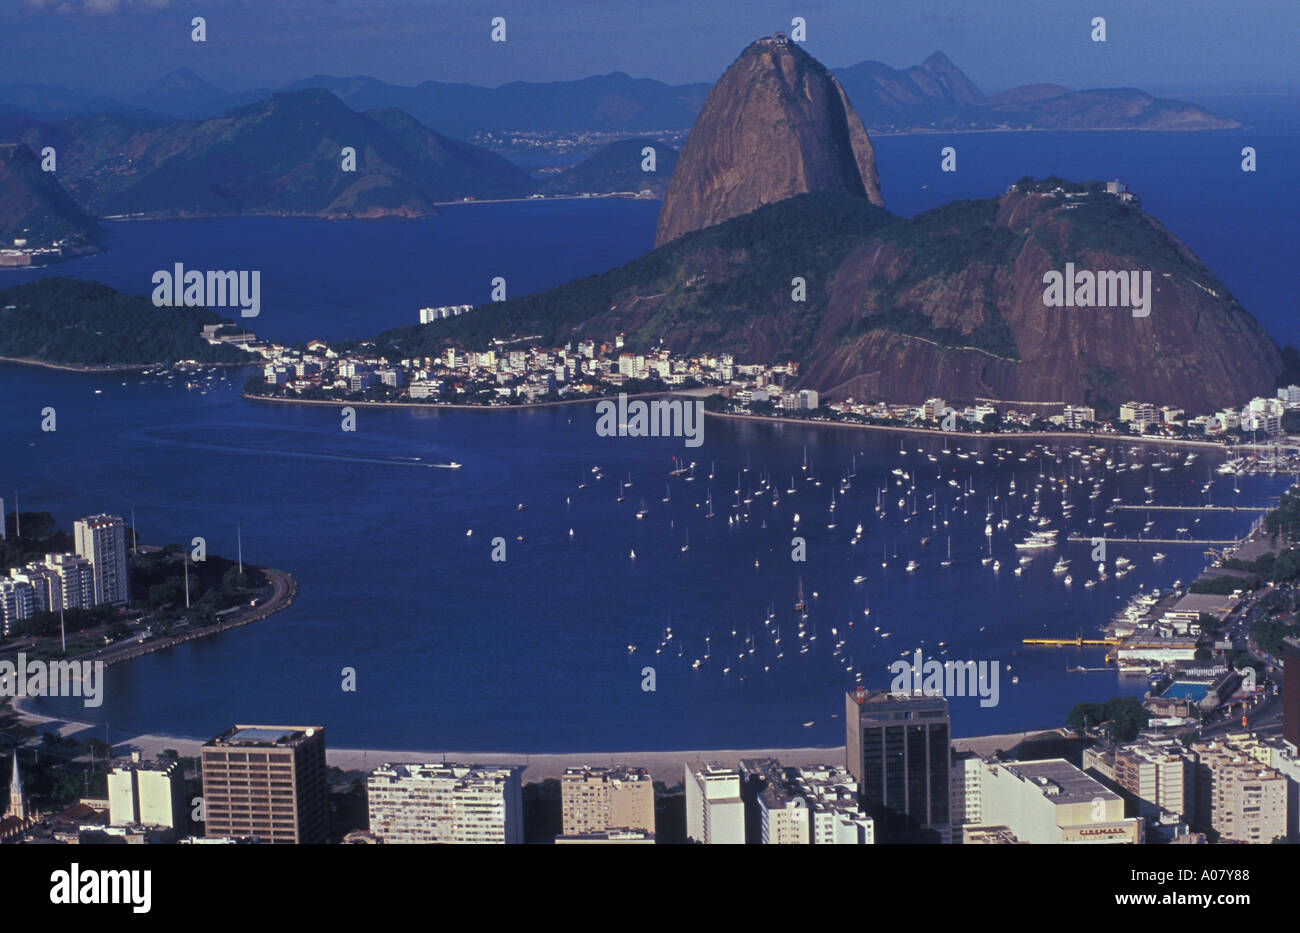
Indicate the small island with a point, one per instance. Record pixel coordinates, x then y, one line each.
72 324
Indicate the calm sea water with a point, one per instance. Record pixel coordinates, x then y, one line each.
453 650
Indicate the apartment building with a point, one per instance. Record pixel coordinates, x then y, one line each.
715 813
596 800
1238 798
101 539
446 803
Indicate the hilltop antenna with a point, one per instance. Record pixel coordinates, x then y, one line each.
134 540
185 564
18 522
239 544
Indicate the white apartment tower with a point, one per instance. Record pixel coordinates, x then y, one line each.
715 813
101 539
149 793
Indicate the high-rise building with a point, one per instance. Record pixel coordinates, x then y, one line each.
16 603
43 583
1291 692
715 814
594 800
965 793
1238 798
899 751
268 782
101 539
73 581
151 793
446 803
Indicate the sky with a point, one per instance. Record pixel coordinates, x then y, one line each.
1162 46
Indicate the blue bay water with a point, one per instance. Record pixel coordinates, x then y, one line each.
454 651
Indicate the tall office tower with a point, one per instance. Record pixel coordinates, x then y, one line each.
595 800
715 814
446 803
1291 692
101 539
268 782
3 533
151 793
898 749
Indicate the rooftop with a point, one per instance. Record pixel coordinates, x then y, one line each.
1060 781
265 736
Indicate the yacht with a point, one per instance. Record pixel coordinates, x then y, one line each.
1038 540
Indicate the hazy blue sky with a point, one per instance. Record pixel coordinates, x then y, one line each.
1164 46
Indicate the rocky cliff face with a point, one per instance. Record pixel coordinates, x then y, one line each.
776 125
978 327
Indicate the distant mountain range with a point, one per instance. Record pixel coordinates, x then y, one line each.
935 95
283 155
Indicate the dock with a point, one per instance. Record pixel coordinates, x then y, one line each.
1189 508
1214 542
1071 642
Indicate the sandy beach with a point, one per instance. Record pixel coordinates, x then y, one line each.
666 766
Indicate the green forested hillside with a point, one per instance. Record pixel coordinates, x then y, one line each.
76 323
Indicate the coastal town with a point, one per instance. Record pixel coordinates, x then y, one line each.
514 373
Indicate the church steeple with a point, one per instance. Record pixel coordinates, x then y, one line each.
17 802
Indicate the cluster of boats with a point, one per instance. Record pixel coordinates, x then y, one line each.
1027 510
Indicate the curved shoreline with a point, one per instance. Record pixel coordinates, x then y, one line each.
455 406
116 367
806 422
938 432
284 590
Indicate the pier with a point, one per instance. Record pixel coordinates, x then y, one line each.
1071 642
1189 508
1216 542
